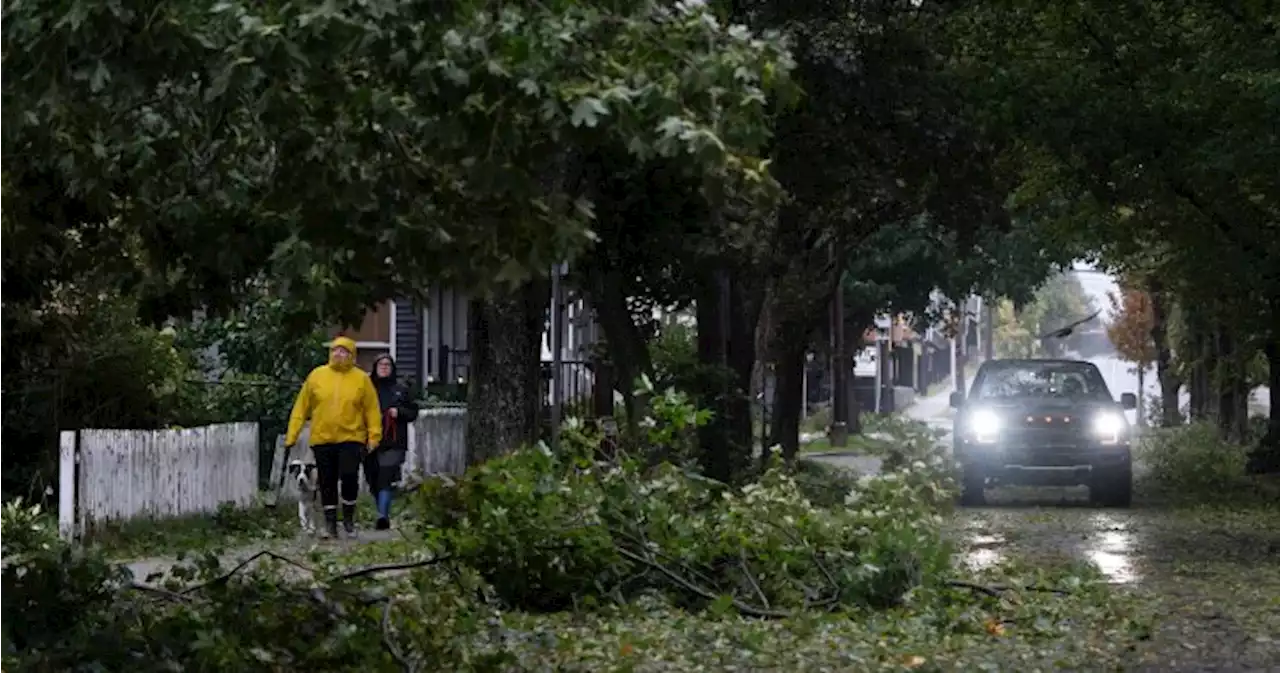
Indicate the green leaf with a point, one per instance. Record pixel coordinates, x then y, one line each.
587 112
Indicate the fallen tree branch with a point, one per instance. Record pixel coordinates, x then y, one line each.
365 571
160 591
389 567
748 610
388 642
996 590
746 570
226 577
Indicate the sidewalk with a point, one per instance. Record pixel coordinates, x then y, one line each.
298 548
933 409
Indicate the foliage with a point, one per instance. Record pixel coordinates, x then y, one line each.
1147 162
52 593
1058 302
875 557
1013 339
80 360
674 351
550 531
1130 327
314 143
1192 464
429 617
250 363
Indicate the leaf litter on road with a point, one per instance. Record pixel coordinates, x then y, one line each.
1203 582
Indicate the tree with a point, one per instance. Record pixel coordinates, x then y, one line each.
897 151
1060 300
1130 331
1011 336
314 144
1150 160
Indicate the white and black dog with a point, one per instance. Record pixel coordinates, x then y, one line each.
307 480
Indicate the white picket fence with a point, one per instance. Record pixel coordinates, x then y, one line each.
116 475
437 445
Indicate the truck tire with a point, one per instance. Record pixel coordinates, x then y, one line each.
1112 487
973 484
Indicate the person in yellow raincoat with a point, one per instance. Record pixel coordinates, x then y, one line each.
340 401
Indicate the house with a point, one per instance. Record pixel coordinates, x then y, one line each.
429 343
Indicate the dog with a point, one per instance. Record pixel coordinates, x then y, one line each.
306 478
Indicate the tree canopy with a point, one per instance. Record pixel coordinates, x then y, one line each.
316 142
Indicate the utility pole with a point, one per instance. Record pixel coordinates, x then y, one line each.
557 347
989 328
960 333
839 369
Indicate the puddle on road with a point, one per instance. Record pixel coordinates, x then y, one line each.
1100 538
1111 548
983 551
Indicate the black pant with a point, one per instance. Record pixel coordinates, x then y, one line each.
338 463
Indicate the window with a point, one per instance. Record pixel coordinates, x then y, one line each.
375 336
1019 379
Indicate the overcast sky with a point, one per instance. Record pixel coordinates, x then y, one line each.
1096 283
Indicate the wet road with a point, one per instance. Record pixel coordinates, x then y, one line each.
1209 577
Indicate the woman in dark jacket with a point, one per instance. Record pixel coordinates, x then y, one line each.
382 467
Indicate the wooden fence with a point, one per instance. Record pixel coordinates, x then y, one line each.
437 445
115 475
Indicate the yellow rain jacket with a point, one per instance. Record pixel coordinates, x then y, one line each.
341 403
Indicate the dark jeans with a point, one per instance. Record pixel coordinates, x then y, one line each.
338 463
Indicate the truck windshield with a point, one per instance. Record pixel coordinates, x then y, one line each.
1031 379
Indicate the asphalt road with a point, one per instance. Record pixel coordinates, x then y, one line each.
1211 576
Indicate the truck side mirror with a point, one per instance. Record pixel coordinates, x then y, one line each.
1128 401
957 399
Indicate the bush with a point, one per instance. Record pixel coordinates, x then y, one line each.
68 609
532 531
549 531
1191 463
80 360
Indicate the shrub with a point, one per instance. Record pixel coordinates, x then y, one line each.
547 531
69 609
1190 462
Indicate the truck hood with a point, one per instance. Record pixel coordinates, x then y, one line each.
1044 405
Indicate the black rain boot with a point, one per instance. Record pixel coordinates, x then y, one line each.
349 519
330 524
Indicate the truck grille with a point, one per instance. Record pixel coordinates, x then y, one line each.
1046 430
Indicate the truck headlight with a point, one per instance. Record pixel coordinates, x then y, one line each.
1109 427
984 426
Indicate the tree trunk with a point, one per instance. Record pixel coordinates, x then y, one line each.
788 393
740 354
503 396
763 352
1170 384
1265 457
726 348
1200 348
1142 401
628 351
1231 388
713 438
